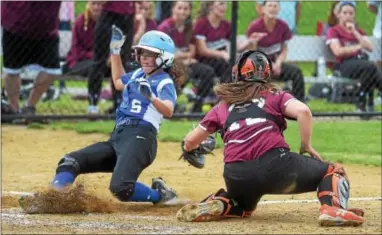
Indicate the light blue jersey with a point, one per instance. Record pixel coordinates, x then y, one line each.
135 106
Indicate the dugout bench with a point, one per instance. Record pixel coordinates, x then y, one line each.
300 49
310 48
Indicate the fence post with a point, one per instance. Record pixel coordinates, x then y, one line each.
234 11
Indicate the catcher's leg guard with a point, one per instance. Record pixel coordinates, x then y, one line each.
333 193
333 189
215 206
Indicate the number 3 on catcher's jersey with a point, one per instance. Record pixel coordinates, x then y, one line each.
136 106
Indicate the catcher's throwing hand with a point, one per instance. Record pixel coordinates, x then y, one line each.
196 157
310 150
117 40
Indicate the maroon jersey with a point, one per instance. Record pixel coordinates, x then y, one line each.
150 25
216 38
179 38
250 138
120 7
345 38
82 46
30 19
272 43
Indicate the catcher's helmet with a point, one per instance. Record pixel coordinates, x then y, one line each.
254 66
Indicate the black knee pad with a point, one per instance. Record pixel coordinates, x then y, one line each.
123 192
68 163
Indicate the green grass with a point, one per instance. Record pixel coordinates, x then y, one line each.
311 12
341 141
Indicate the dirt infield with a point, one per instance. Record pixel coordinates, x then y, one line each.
29 158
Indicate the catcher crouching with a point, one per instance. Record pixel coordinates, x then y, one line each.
251 118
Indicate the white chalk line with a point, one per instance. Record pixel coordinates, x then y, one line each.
15 193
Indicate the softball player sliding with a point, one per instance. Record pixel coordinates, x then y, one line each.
149 94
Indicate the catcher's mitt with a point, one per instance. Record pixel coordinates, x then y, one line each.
196 157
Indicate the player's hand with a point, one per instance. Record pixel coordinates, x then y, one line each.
145 89
117 40
350 26
224 55
256 36
310 150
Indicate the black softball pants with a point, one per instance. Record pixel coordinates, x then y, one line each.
202 77
221 67
366 71
290 72
130 149
278 171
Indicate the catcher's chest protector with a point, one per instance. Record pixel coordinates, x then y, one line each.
246 110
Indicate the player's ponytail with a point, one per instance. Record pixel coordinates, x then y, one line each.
204 9
86 16
178 72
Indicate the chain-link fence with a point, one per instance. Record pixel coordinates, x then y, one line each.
332 68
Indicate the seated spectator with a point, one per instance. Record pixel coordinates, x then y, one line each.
79 60
143 20
271 35
348 43
212 33
333 16
289 12
179 28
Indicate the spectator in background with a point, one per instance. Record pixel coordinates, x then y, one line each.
212 33
348 42
80 57
376 8
143 20
333 15
290 12
66 15
271 36
179 28
120 13
30 36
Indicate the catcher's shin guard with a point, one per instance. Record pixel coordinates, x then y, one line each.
333 193
333 189
215 206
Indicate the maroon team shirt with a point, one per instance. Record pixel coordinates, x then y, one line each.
82 46
30 19
272 43
150 25
345 38
120 7
216 38
249 140
179 38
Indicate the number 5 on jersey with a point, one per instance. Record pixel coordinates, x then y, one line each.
136 106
